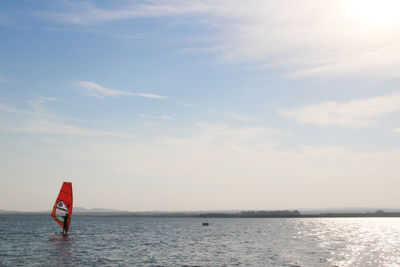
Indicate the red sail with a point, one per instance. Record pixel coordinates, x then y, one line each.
63 205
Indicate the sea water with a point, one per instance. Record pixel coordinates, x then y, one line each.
124 241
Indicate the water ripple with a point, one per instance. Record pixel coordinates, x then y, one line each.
113 241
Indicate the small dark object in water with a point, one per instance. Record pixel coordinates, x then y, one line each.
205 224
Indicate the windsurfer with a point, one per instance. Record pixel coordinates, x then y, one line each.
65 230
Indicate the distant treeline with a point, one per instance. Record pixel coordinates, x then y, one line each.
255 214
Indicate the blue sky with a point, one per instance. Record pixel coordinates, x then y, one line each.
200 105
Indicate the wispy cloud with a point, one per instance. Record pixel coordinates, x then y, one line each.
354 113
45 126
142 115
305 37
36 121
240 117
397 130
96 90
41 100
88 13
149 95
225 136
211 111
167 117
8 109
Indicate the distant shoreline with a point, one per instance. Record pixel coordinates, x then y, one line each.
243 214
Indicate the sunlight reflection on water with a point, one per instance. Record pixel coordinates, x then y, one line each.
114 241
362 242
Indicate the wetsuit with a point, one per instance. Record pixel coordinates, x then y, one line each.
66 223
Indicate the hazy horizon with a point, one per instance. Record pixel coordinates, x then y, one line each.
200 105
329 209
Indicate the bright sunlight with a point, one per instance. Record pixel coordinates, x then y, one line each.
375 13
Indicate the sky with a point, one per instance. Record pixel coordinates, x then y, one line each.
200 105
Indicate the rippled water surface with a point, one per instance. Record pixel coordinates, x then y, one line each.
116 241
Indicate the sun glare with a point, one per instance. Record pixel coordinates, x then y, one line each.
376 13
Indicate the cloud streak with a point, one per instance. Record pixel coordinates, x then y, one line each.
305 37
234 115
8 109
34 122
88 13
98 91
41 100
43 126
354 113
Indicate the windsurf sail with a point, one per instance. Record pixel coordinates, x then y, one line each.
63 205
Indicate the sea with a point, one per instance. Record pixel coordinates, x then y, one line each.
126 241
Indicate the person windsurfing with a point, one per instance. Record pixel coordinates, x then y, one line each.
65 230
62 209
